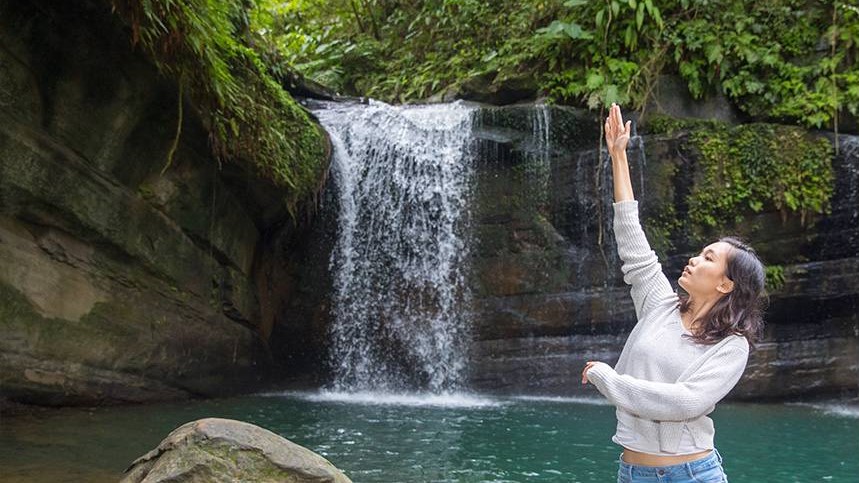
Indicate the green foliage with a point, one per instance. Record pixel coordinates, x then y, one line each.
608 68
206 45
786 60
399 51
764 55
739 171
753 167
774 277
767 57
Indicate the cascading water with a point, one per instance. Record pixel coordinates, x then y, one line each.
849 153
400 301
539 165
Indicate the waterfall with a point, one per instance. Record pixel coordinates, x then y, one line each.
539 164
849 152
400 301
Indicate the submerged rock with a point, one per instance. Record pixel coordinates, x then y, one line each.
225 450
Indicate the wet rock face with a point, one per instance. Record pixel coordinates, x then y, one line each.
491 90
119 283
671 96
224 450
546 277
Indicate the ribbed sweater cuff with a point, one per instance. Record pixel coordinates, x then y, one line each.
598 374
626 212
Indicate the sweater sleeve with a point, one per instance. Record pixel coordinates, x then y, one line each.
679 401
641 268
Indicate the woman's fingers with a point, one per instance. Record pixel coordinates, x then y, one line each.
614 121
613 114
585 371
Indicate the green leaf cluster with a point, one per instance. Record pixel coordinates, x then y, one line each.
611 65
209 48
786 60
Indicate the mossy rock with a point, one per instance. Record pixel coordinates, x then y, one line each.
222 450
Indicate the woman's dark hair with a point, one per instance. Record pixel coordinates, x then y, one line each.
739 312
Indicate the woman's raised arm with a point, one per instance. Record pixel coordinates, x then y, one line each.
641 268
616 138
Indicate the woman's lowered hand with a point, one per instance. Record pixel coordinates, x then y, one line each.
585 371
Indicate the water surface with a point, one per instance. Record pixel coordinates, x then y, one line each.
415 438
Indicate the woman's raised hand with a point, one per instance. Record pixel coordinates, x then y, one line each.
616 133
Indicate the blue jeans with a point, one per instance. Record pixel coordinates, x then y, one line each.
703 470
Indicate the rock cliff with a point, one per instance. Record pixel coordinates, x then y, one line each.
119 283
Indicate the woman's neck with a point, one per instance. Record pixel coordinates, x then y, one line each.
696 311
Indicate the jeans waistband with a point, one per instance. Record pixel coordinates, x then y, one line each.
705 462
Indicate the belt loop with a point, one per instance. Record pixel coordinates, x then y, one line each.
718 455
690 471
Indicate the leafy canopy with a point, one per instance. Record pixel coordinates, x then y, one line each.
783 60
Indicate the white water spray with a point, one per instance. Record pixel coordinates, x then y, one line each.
400 301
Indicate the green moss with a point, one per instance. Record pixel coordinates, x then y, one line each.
747 169
146 192
753 167
204 45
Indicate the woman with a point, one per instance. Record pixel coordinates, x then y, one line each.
685 353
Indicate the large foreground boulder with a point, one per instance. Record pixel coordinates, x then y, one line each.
224 450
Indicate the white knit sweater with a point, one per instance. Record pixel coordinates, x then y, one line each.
663 384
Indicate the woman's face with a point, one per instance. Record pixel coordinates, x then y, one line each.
704 275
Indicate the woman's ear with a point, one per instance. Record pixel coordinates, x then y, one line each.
726 286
